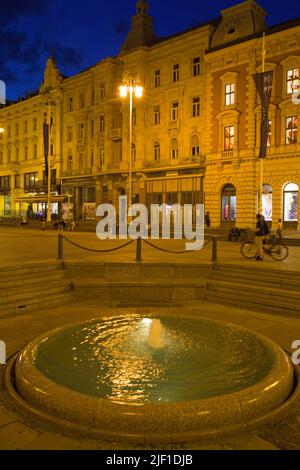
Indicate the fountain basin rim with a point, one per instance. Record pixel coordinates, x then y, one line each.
153 422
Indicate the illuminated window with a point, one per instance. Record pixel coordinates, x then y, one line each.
229 94
291 130
269 134
176 70
196 107
291 80
228 138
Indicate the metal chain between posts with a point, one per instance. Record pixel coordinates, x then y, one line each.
176 252
97 251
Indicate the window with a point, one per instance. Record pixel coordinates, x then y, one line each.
156 115
156 151
229 94
195 147
1 157
70 104
102 91
269 134
175 111
69 133
133 153
25 127
196 66
102 124
157 78
80 131
17 181
4 183
228 138
35 151
17 155
290 202
51 149
9 131
102 156
92 96
291 130
26 153
8 156
134 116
34 124
176 73
80 160
81 101
52 178
30 180
17 129
174 149
291 80
196 107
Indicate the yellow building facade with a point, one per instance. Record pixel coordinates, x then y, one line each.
195 132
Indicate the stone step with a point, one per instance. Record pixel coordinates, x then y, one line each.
139 282
27 296
258 270
28 281
236 301
36 304
253 279
34 288
258 292
16 272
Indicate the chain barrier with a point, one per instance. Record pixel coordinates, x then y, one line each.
91 250
175 252
61 238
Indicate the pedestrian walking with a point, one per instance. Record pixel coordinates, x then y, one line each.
207 219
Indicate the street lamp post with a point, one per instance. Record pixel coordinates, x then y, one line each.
130 86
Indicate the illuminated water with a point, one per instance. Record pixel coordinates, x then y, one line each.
111 358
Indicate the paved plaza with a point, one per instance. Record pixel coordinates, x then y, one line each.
18 247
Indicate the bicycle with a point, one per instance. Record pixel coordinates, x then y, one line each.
278 250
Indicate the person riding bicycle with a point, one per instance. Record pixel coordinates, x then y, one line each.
260 233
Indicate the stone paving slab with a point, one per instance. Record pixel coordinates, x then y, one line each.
19 432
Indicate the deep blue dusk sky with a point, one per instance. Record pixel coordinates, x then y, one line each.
82 32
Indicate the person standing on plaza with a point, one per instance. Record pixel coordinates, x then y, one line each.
207 219
259 236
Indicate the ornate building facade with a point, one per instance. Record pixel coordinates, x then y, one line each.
195 132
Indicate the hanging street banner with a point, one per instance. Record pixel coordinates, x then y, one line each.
46 146
264 82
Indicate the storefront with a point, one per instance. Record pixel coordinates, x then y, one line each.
267 202
228 205
290 205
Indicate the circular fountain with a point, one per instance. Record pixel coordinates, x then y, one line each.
136 379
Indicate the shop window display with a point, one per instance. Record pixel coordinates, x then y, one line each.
290 202
267 201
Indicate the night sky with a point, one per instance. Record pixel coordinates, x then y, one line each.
82 32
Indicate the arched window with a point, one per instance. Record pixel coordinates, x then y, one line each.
133 153
267 202
195 146
290 202
174 149
156 151
228 204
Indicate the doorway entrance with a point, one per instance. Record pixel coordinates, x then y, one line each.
228 205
